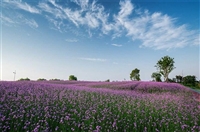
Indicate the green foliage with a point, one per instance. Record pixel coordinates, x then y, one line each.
173 80
108 80
179 78
165 65
72 78
189 80
24 79
41 79
156 77
55 79
135 74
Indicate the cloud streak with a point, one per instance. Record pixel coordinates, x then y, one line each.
23 6
117 45
94 59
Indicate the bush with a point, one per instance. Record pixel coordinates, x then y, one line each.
41 79
189 80
55 79
108 80
72 78
24 79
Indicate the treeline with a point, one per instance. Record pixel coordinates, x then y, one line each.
71 78
164 67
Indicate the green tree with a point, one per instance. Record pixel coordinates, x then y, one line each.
179 78
41 79
156 76
24 79
135 74
108 80
55 79
72 77
165 65
189 80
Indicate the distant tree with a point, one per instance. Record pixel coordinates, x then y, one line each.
135 74
108 80
179 79
173 80
156 76
165 65
24 79
41 79
55 79
72 77
189 80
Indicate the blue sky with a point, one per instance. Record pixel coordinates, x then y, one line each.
97 40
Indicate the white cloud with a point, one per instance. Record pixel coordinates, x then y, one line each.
197 40
94 59
163 33
24 6
28 8
31 22
154 30
54 11
126 8
7 21
92 20
93 17
18 19
82 3
117 45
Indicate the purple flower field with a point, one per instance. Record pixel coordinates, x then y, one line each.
83 106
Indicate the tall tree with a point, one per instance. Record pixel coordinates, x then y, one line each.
135 74
156 76
165 65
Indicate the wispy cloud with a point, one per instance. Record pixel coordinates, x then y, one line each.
71 40
94 59
90 15
31 22
22 5
197 40
18 19
117 45
6 20
154 30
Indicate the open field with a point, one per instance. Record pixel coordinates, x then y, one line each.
98 106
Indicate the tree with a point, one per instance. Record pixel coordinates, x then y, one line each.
72 77
135 74
156 76
24 79
41 79
108 80
173 80
55 79
179 79
189 80
165 65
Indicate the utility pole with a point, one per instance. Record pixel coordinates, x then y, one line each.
14 74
